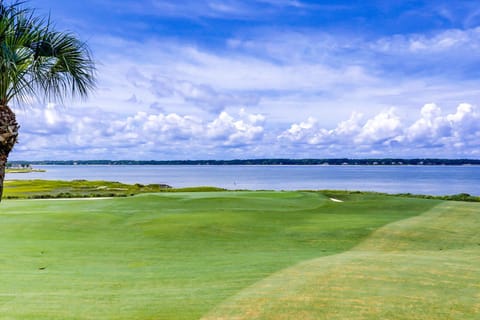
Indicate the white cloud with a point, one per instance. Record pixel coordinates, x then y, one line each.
379 129
384 127
305 131
459 129
82 133
236 132
55 132
452 134
430 128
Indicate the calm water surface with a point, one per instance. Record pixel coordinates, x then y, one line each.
435 180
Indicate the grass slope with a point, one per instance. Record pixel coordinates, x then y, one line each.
170 255
426 267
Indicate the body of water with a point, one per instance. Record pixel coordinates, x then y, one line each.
434 180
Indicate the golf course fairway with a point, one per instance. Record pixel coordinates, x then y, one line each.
240 255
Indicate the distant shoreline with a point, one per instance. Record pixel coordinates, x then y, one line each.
326 162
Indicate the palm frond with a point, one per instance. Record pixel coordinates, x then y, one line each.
36 60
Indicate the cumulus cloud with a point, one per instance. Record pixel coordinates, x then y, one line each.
382 128
429 129
236 132
450 133
53 130
458 130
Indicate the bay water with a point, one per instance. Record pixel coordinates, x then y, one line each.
433 180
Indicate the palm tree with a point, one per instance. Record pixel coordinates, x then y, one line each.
36 61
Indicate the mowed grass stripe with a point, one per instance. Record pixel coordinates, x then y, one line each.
451 225
170 256
426 267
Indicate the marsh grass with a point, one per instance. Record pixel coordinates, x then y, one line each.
45 189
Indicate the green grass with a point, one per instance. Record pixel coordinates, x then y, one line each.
44 189
426 267
235 255
168 256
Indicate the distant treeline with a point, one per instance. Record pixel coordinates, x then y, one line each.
333 162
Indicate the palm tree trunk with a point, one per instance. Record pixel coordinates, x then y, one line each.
8 137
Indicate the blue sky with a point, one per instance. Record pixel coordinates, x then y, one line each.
230 79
